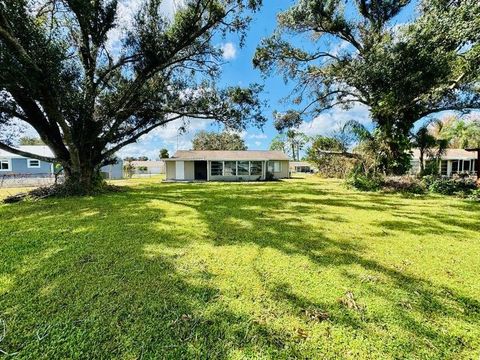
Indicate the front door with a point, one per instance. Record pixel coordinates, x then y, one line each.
200 170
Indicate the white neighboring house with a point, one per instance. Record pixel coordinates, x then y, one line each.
148 167
453 162
17 165
302 167
249 165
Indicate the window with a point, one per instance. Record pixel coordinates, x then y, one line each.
243 168
474 165
230 168
274 166
455 166
466 165
255 168
444 168
216 168
5 165
33 163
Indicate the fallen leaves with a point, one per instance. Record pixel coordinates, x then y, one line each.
349 301
316 315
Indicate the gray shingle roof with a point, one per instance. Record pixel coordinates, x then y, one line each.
41 150
229 155
451 154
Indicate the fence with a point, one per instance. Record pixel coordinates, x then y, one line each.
29 180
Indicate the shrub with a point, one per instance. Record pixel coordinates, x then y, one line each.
365 182
474 195
452 186
406 184
269 176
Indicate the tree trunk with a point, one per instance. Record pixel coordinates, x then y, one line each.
83 178
422 165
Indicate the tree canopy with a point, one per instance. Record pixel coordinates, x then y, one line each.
163 154
225 140
291 143
87 99
458 132
359 55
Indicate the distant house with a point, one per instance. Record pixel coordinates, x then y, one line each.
148 167
453 162
226 165
12 164
301 167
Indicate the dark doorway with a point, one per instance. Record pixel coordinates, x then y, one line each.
200 170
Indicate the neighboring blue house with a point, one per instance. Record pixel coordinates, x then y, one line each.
12 164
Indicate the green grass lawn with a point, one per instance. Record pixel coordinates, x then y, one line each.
292 269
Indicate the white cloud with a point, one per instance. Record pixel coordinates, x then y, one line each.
258 143
229 51
258 136
328 122
165 137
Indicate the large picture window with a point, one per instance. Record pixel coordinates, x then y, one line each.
255 168
230 168
274 166
243 168
4 165
217 168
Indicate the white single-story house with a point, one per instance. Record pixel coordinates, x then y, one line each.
250 165
302 167
453 162
13 164
148 167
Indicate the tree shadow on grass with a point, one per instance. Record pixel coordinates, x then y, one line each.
117 275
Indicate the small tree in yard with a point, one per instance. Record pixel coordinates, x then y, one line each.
59 74
164 154
428 146
330 156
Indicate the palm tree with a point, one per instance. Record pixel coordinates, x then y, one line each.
428 144
424 142
370 145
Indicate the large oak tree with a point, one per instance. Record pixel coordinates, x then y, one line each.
358 54
87 99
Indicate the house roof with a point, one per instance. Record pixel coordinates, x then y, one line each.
451 154
228 155
41 150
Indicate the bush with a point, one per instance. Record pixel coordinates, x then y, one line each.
452 186
474 195
365 182
269 176
406 184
